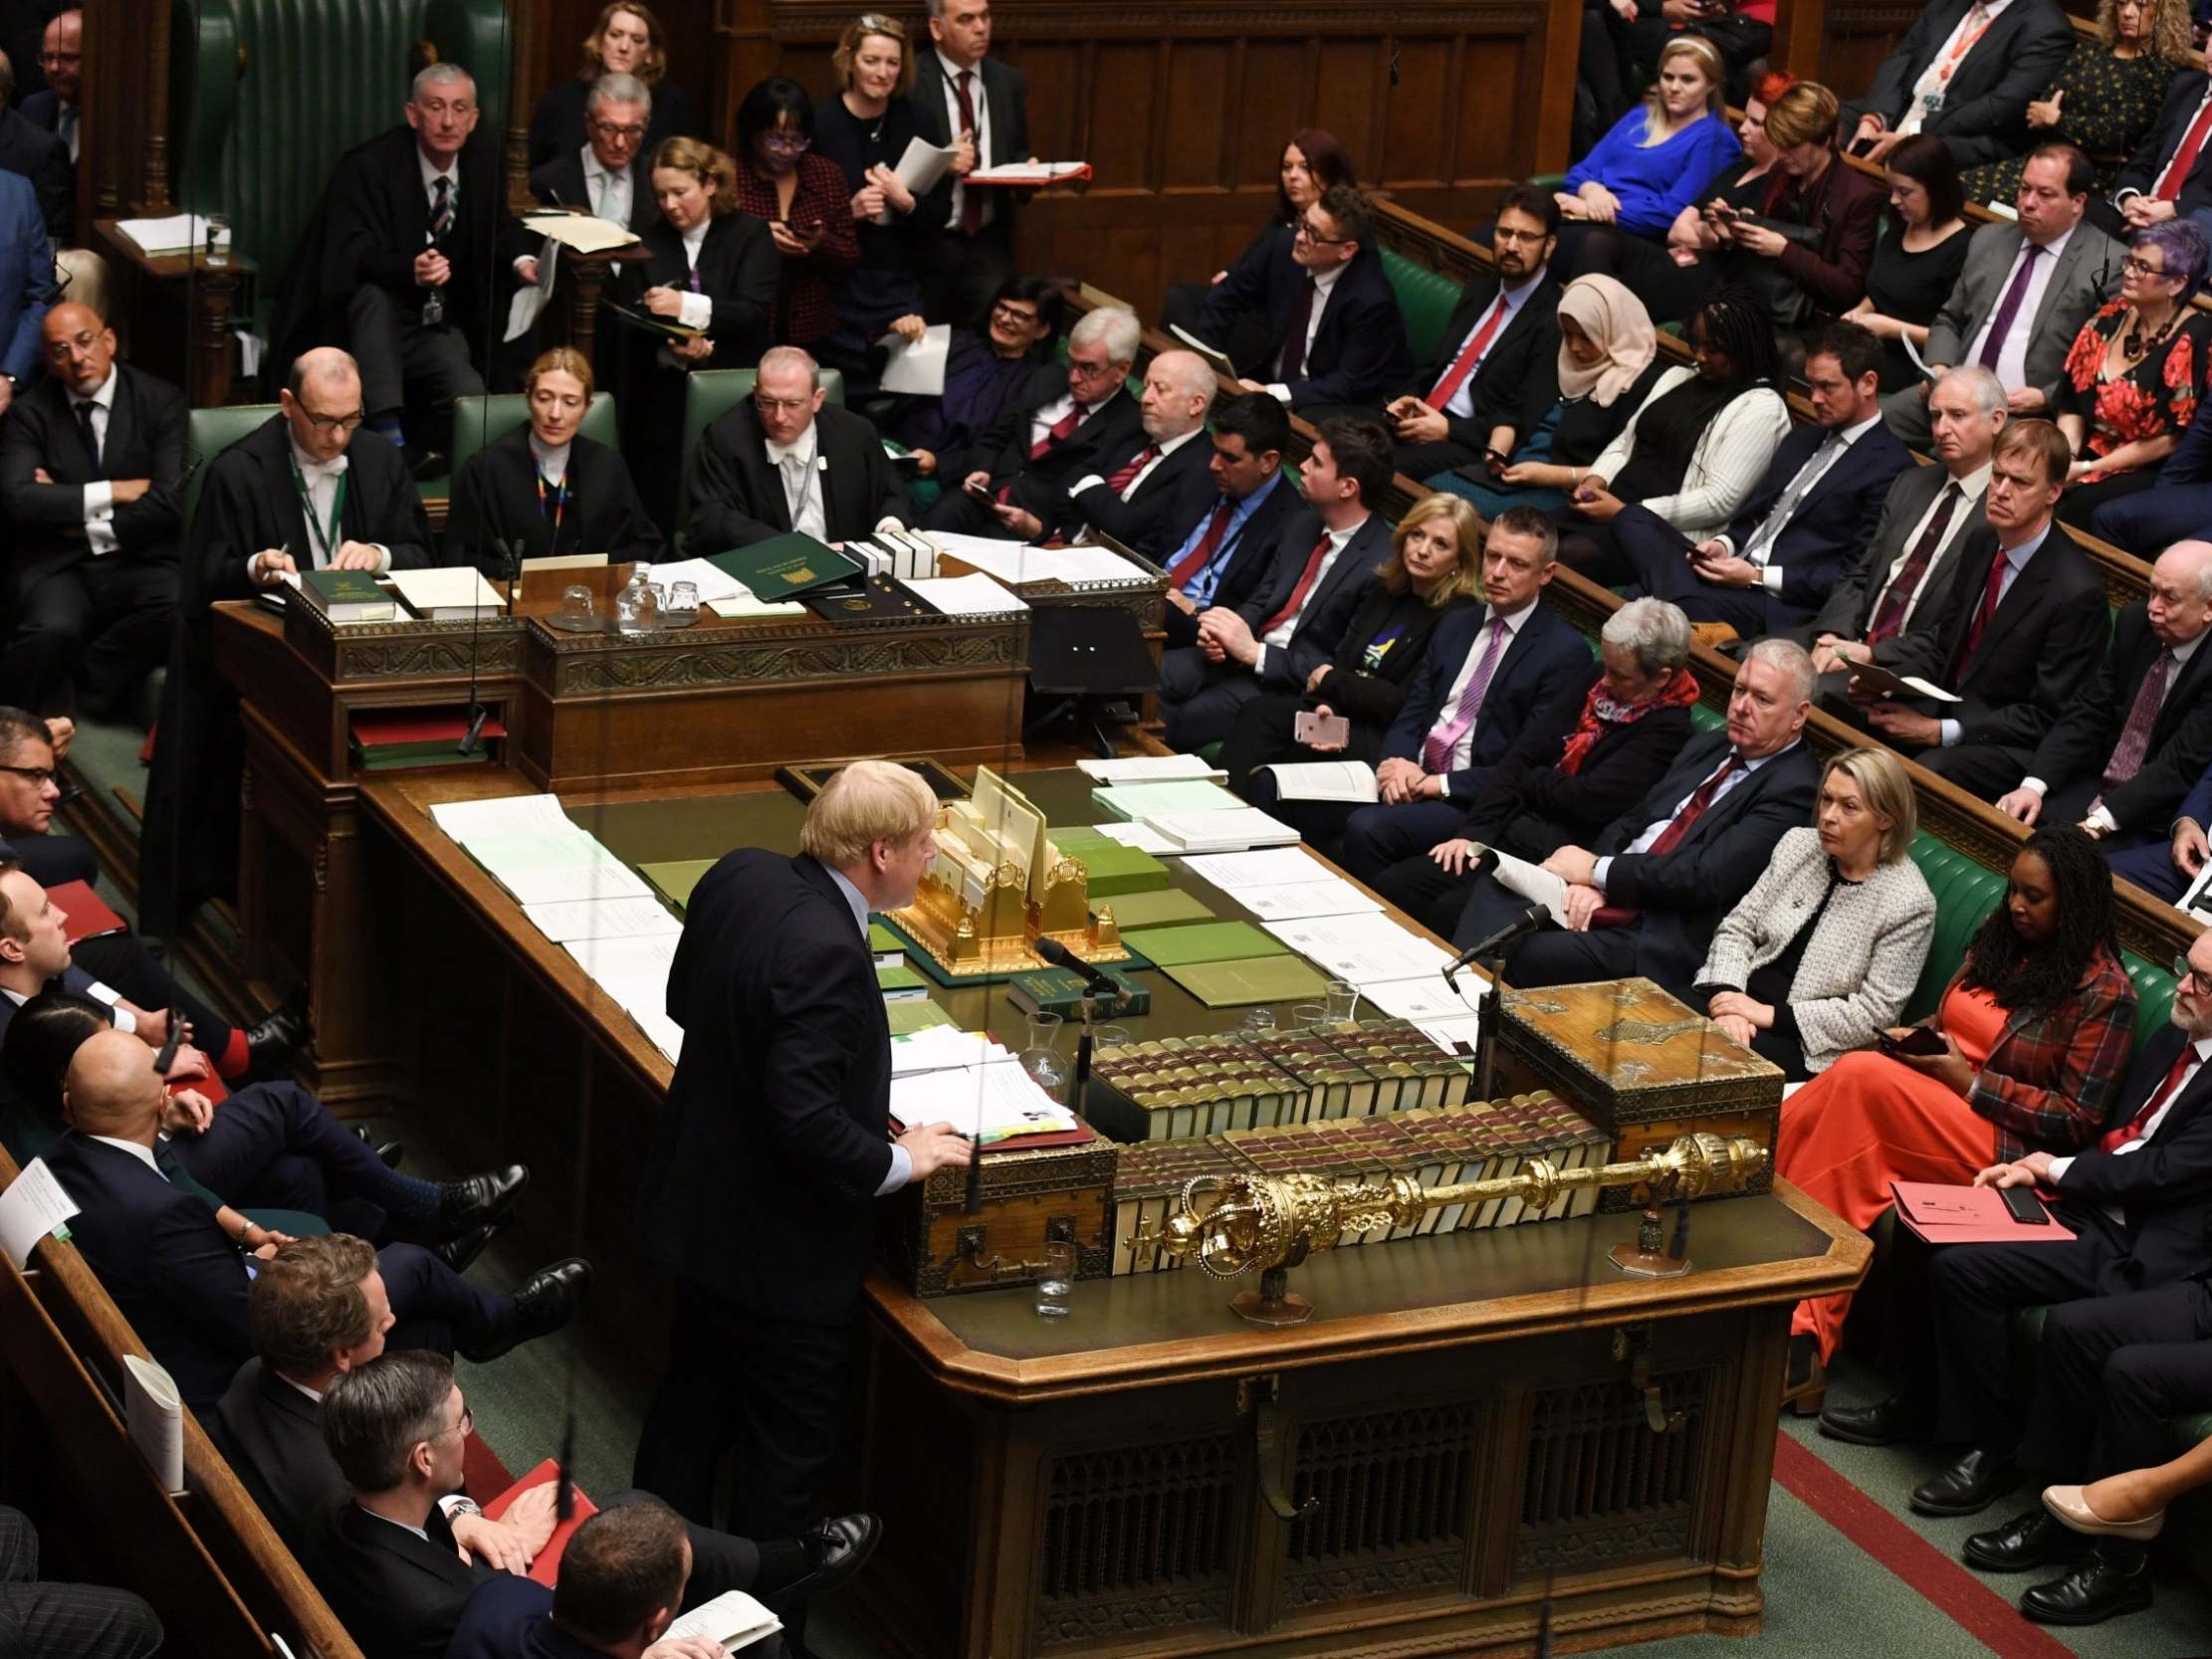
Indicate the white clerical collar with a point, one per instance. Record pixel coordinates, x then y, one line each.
695 237
553 459
312 468
802 446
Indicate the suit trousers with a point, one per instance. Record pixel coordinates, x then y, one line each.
403 362
273 1146
123 961
433 1307
1984 769
959 273
65 1621
101 623
1200 700
2149 521
2125 1365
1551 956
1658 554
1379 836
2150 867
768 1390
1963 1346
1425 891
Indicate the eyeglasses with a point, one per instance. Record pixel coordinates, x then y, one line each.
634 131
467 1424
786 143
57 350
328 423
785 405
2136 267
37 776
1306 230
1076 366
2183 974
1012 313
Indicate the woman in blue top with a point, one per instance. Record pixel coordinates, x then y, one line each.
1650 166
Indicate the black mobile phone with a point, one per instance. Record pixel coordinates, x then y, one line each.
2026 1207
1920 1040
975 489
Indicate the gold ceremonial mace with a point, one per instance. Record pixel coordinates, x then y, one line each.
1272 1223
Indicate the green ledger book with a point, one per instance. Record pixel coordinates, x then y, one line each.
786 564
347 595
914 1014
1236 984
1205 942
882 939
674 880
1168 907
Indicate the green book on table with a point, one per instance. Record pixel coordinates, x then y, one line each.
1205 942
1110 867
1237 984
896 980
913 1014
347 595
786 564
1168 907
674 880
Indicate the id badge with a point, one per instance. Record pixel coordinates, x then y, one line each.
1931 102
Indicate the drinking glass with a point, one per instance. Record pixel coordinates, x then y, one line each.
682 609
1106 1038
1057 1280
1307 1015
1344 1000
1040 1054
575 607
218 239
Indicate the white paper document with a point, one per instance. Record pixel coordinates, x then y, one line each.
985 1102
1351 781
1141 836
545 868
1231 829
468 821
1030 172
1272 867
581 231
1461 1035
530 300
1362 949
732 1618
1531 881
922 165
34 1206
153 1414
622 966
939 1047
1013 563
1293 901
1427 998
1152 768
918 367
975 595
581 919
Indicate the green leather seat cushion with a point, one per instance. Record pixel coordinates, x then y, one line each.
477 421
1424 299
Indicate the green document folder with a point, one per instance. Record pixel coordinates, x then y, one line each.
882 939
675 880
914 1014
786 564
1168 907
1207 941
1233 984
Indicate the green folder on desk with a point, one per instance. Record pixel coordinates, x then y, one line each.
882 939
1205 942
1236 984
1168 907
914 1014
674 880
786 564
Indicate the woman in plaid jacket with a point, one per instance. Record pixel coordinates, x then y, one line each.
2036 1027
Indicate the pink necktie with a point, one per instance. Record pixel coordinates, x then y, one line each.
1442 741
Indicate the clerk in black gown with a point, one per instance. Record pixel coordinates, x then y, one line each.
707 265
544 488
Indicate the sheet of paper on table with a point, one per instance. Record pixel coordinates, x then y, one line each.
917 368
1229 829
972 595
1362 949
1014 563
583 918
1427 998
1141 836
1152 768
985 1102
1329 895
626 961
468 821
940 1048
1271 867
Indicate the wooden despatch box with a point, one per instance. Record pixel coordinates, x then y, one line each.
1050 1193
1637 1061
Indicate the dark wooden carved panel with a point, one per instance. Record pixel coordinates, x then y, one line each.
1839 43
1137 1539
1599 1485
1393 1492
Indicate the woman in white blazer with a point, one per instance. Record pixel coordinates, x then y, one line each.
1825 948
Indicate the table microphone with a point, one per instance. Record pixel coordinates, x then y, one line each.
1524 921
1060 956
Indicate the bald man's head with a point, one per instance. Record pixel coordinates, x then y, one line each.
2180 605
1179 390
78 347
112 1088
323 402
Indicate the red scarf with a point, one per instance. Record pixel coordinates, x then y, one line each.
1600 710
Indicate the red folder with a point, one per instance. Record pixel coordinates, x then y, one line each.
547 1568
375 731
1968 1216
89 914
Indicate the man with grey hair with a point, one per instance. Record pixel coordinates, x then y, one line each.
1646 895
608 176
399 264
969 102
1060 428
784 461
1133 499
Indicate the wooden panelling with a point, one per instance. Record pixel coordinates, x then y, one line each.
1839 43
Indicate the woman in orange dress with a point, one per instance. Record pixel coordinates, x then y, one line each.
2036 1028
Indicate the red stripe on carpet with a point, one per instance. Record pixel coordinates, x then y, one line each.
1954 1590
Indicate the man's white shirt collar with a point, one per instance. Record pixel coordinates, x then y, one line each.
136 1148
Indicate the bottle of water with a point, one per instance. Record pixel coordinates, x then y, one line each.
636 607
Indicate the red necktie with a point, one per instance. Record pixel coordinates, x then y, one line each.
971 204
1692 810
2134 735
1298 593
1294 344
1463 365
1889 616
1066 424
1126 474
2132 1130
1209 544
2168 187
1990 596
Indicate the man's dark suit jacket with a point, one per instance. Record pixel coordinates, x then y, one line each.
1040 486
1248 558
171 1270
1984 116
1005 93
2183 93
737 495
398 1595
42 108
1516 384
2081 741
26 278
1150 522
145 439
39 154
561 182
270 1433
1835 522
1358 353
1684 893
2041 645
2160 1189
765 1163
1546 654
1850 605
1328 607
372 220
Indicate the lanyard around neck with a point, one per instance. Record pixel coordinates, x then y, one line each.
326 536
560 496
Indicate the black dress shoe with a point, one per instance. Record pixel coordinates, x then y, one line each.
1885 1423
458 1253
2113 1578
389 1152
542 1307
425 462
477 1200
1968 1486
835 1550
273 1040
2034 1539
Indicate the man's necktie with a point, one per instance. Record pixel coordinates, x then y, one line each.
795 484
1210 544
601 187
1298 593
2185 153
1059 433
1294 344
68 128
2000 326
1889 616
2132 1130
1442 741
1692 810
90 435
1126 474
442 193
2134 735
1463 365
1991 593
1778 520
971 204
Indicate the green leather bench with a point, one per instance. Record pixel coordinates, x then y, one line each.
711 393
209 432
1424 299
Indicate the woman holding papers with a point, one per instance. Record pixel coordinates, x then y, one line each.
983 374
544 488
865 130
1823 952
806 202
2023 1054
1434 567
627 40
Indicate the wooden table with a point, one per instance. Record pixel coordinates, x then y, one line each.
200 299
1474 1413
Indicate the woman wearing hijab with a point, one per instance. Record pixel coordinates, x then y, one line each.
1608 364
